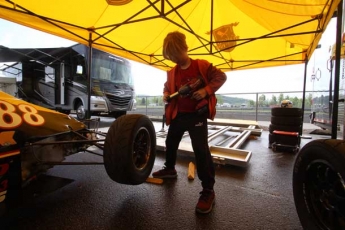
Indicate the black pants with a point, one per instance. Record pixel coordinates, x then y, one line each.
196 125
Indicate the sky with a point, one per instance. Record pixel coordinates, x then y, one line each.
149 80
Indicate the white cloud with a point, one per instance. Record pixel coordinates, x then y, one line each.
148 80
13 35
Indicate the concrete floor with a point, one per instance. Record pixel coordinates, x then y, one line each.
256 197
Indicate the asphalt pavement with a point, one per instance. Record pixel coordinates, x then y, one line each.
258 196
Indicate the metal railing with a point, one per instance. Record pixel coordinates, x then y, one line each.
247 106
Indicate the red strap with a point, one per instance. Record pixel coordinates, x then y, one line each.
285 133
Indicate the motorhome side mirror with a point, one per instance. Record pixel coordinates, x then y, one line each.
79 69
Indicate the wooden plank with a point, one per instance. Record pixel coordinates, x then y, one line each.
154 180
191 171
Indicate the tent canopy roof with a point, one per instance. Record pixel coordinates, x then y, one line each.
231 34
45 55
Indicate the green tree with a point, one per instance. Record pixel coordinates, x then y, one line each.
262 100
143 101
251 103
153 100
273 100
219 99
308 101
160 101
295 102
280 98
300 102
323 99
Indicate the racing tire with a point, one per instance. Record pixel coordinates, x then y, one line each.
286 112
130 149
318 184
271 140
296 121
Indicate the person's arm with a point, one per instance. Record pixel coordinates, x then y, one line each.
215 79
166 91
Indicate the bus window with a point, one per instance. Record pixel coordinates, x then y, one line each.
49 74
104 73
79 69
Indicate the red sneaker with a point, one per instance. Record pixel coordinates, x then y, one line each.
165 173
206 201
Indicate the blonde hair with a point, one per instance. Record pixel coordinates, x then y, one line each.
174 44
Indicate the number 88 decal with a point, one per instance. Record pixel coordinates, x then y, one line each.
9 119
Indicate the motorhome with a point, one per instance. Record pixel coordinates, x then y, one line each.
323 93
57 78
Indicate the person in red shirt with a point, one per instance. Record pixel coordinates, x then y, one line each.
190 113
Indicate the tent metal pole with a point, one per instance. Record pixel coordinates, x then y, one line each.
89 66
337 70
304 87
211 29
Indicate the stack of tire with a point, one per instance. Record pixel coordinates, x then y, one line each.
288 120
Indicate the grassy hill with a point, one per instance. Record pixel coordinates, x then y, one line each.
235 101
232 100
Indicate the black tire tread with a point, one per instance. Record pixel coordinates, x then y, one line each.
119 142
295 121
286 112
331 151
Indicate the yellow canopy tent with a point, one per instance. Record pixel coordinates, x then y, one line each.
232 34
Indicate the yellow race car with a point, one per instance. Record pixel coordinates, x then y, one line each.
34 139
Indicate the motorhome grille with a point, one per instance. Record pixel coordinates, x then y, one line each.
120 101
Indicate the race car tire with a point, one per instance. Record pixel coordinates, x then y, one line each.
286 112
130 149
295 121
318 184
271 140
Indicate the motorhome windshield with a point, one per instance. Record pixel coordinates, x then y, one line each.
110 68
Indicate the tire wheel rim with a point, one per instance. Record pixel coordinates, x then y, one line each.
325 195
81 112
142 148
